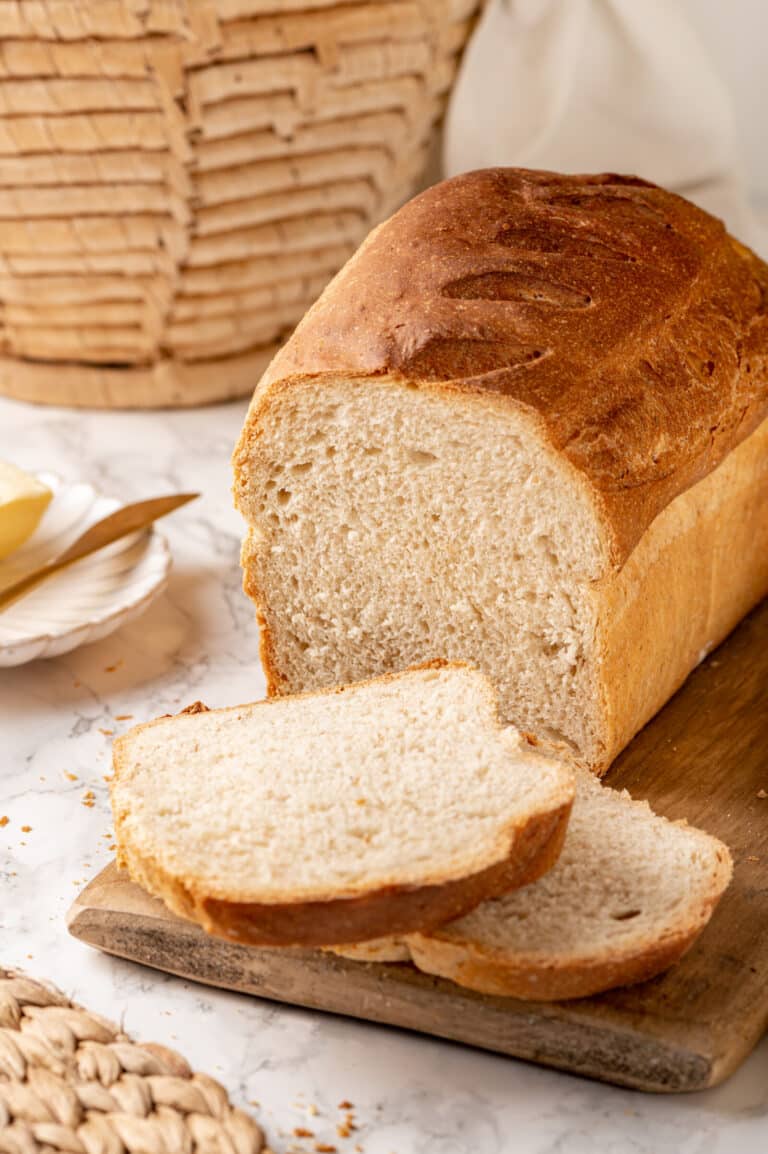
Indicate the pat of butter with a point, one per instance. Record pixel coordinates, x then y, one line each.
23 500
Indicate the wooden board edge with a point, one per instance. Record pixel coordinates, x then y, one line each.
398 995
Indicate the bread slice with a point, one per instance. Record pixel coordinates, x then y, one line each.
629 894
383 807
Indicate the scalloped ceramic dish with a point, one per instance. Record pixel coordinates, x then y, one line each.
89 599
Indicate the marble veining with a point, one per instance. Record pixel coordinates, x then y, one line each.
411 1095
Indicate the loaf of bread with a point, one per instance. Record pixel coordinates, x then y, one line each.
628 895
524 427
384 807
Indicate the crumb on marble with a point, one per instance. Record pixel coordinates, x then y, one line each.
4 820
70 776
106 732
112 668
325 1148
123 717
26 829
303 1132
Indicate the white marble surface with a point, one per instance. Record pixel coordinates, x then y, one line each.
412 1095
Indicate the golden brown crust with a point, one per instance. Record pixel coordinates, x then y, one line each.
529 982
621 317
699 568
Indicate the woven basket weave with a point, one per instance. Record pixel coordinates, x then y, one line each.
180 178
72 1081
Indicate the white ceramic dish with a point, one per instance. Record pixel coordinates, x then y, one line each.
89 599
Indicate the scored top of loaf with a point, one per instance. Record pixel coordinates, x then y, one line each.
622 318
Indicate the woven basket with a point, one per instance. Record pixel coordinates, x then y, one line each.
72 1081
180 178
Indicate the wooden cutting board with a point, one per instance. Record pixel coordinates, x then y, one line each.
705 758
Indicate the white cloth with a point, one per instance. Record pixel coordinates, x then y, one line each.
599 85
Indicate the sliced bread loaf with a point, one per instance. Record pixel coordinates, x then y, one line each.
383 807
526 425
629 894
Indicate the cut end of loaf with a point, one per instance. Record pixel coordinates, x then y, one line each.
384 806
391 524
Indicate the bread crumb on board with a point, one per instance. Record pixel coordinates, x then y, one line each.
762 794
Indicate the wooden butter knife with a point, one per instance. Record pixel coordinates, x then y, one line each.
124 521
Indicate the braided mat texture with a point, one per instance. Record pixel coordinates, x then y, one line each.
72 1081
179 179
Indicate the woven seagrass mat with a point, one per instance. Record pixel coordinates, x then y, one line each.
72 1081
